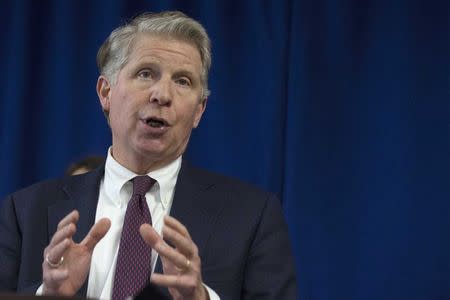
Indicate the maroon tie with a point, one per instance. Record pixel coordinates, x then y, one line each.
133 261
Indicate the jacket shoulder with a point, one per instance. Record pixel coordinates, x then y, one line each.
47 191
229 183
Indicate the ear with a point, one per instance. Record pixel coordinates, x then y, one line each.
104 92
199 111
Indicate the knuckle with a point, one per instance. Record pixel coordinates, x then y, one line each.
61 223
191 283
66 229
160 245
184 229
195 250
177 281
52 241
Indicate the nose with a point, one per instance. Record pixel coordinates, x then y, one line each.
161 92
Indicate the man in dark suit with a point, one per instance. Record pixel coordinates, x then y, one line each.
222 239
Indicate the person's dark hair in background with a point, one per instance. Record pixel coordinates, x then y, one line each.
86 164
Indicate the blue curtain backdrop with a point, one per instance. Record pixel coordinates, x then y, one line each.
339 107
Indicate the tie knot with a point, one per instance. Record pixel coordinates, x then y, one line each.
142 184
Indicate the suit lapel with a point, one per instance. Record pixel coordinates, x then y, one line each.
193 207
81 193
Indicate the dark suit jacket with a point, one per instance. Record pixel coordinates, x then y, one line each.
239 230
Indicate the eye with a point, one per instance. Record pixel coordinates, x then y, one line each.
145 74
183 81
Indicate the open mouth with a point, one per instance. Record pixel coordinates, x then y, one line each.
156 122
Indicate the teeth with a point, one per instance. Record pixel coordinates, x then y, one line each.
155 123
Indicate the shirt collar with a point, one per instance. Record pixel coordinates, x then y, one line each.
119 188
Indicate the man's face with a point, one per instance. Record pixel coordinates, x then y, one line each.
155 103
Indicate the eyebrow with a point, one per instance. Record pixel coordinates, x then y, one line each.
184 73
155 63
146 63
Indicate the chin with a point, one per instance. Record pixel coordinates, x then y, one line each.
152 151
156 150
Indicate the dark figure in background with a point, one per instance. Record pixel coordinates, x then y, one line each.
87 164
186 233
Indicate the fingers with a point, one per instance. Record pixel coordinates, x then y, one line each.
177 234
187 286
70 218
149 234
152 238
66 228
97 232
61 239
176 225
182 243
76 261
181 264
176 281
62 233
55 253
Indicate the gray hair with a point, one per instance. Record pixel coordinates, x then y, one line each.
113 55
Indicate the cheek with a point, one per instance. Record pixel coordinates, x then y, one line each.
119 112
188 122
122 104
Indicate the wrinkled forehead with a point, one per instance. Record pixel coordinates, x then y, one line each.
146 45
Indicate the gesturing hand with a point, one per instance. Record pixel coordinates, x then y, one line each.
66 264
181 264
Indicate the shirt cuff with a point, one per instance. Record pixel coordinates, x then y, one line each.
39 290
212 295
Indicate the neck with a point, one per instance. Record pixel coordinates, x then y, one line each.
143 164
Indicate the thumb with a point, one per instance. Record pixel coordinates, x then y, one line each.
96 233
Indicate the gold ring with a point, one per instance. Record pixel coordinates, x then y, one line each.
182 270
53 265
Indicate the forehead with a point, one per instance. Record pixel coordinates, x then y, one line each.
155 48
